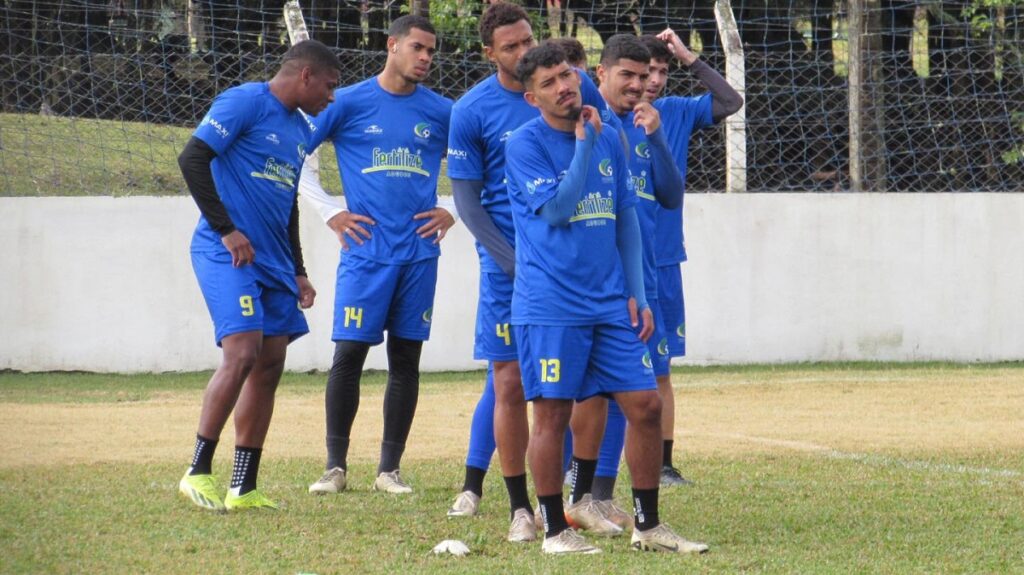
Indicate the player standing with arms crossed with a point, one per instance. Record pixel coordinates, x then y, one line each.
389 133
681 116
578 254
242 167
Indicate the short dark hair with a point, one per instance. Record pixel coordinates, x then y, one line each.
574 50
317 55
624 46
547 55
657 47
403 24
498 15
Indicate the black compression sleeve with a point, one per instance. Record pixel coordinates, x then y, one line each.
293 239
725 101
194 162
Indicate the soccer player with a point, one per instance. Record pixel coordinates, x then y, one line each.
578 255
575 53
389 133
622 76
681 116
481 123
242 167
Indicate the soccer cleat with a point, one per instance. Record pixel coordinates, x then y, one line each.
662 538
568 541
254 499
466 505
586 514
671 476
615 514
391 482
332 481
522 528
202 490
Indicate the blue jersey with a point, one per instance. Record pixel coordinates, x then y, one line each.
680 117
260 148
389 150
482 120
571 274
647 204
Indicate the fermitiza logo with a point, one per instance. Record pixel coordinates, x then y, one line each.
605 167
374 130
221 130
642 150
422 130
399 162
273 138
595 207
279 172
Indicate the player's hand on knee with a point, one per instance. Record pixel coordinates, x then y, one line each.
439 221
242 252
306 292
351 227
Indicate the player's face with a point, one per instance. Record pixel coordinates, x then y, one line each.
556 91
413 54
623 83
656 81
508 45
318 89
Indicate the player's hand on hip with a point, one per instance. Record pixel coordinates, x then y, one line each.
351 227
439 221
590 115
306 292
645 115
242 252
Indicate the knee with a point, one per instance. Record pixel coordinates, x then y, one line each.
648 411
241 356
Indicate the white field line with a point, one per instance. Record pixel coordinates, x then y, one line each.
873 459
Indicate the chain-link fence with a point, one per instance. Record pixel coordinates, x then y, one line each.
98 97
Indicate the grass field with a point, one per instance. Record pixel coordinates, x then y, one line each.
798 469
49 156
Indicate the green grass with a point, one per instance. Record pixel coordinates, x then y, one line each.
763 511
49 156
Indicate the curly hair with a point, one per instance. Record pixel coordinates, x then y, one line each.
498 15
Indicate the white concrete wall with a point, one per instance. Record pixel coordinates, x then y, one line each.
105 284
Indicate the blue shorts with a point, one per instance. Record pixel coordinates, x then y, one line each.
657 345
494 341
577 362
245 299
371 297
670 296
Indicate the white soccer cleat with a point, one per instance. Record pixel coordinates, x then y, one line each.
566 542
662 538
332 481
466 505
522 528
587 515
391 482
615 514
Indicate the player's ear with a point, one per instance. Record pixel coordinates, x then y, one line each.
489 53
392 44
600 73
531 98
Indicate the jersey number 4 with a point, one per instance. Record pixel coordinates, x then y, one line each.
502 330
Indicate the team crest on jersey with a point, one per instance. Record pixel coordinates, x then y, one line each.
605 167
642 150
663 346
647 360
373 130
302 152
681 330
422 130
428 314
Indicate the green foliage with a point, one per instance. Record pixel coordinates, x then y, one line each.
456 22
